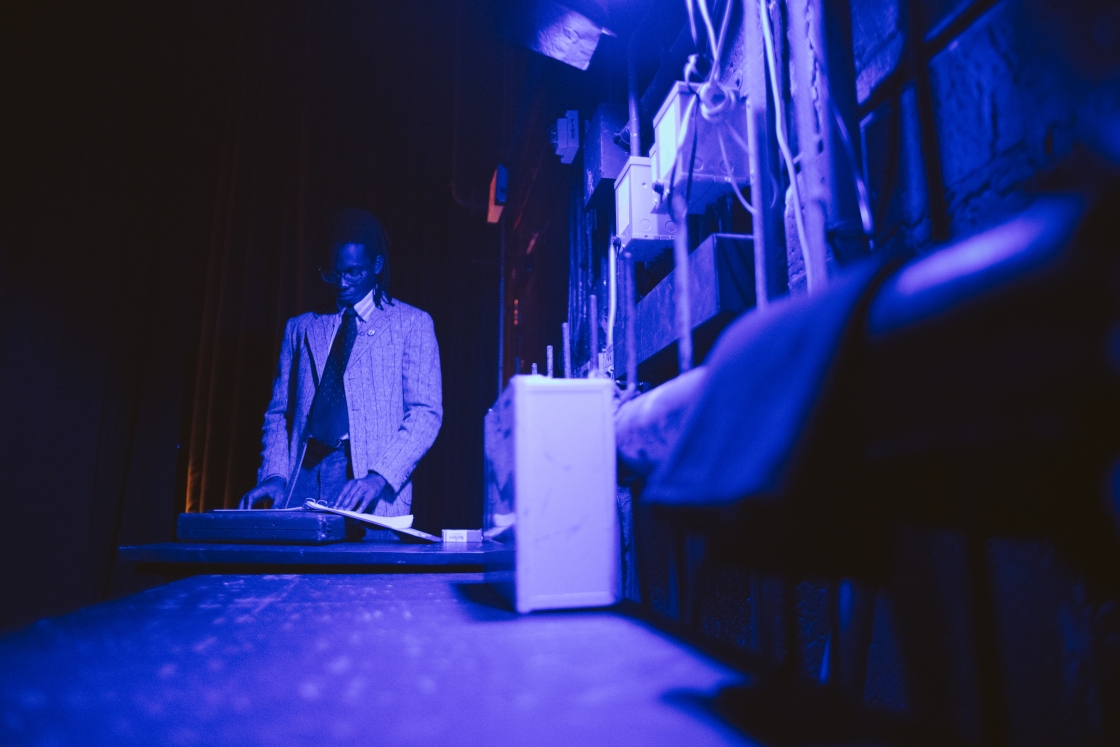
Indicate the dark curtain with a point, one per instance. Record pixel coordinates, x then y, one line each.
333 106
260 260
168 170
108 164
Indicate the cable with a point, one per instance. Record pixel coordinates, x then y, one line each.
783 144
691 164
612 296
731 180
692 23
861 187
715 100
723 29
711 32
685 121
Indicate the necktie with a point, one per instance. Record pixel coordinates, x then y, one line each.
329 421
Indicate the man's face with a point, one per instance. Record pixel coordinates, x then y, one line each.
356 272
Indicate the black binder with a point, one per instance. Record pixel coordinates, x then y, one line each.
268 526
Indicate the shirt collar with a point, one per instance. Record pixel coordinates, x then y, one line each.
365 307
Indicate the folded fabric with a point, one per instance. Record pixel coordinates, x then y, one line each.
765 376
768 370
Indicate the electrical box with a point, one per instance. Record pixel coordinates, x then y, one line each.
603 158
642 232
716 166
565 136
551 493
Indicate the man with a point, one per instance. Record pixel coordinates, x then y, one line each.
357 396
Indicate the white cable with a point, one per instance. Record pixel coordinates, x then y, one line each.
783 145
612 295
685 120
731 179
722 34
861 188
746 149
692 23
711 108
711 31
739 138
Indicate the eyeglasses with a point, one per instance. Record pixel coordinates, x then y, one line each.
352 275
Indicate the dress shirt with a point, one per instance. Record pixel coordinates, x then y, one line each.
363 309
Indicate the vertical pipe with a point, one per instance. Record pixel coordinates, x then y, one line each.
548 360
771 275
813 116
761 214
501 304
612 294
770 41
502 231
681 302
844 128
915 23
632 101
566 332
593 331
630 322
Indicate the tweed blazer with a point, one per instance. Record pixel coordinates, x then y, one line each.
393 396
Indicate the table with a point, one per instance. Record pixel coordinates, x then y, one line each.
179 559
326 659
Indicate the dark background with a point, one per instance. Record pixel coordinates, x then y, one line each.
168 171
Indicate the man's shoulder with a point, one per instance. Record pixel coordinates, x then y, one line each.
407 311
306 319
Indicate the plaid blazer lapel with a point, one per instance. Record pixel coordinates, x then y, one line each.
373 332
319 336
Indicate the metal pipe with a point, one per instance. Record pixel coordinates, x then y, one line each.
630 322
632 101
683 309
566 333
593 331
762 224
783 146
548 360
612 294
771 277
810 108
501 304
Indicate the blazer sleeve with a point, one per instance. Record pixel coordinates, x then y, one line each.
275 438
422 390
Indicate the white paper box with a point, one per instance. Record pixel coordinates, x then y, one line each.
551 493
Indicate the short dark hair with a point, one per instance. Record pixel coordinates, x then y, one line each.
356 226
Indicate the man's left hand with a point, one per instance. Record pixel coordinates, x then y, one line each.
361 493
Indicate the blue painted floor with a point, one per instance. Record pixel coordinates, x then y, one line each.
350 659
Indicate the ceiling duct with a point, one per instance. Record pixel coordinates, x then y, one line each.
568 31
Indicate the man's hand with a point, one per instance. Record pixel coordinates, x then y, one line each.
361 493
266 495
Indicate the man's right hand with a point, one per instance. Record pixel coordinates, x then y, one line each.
266 495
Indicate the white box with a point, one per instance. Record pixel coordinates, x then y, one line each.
567 136
459 536
642 232
714 169
551 493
